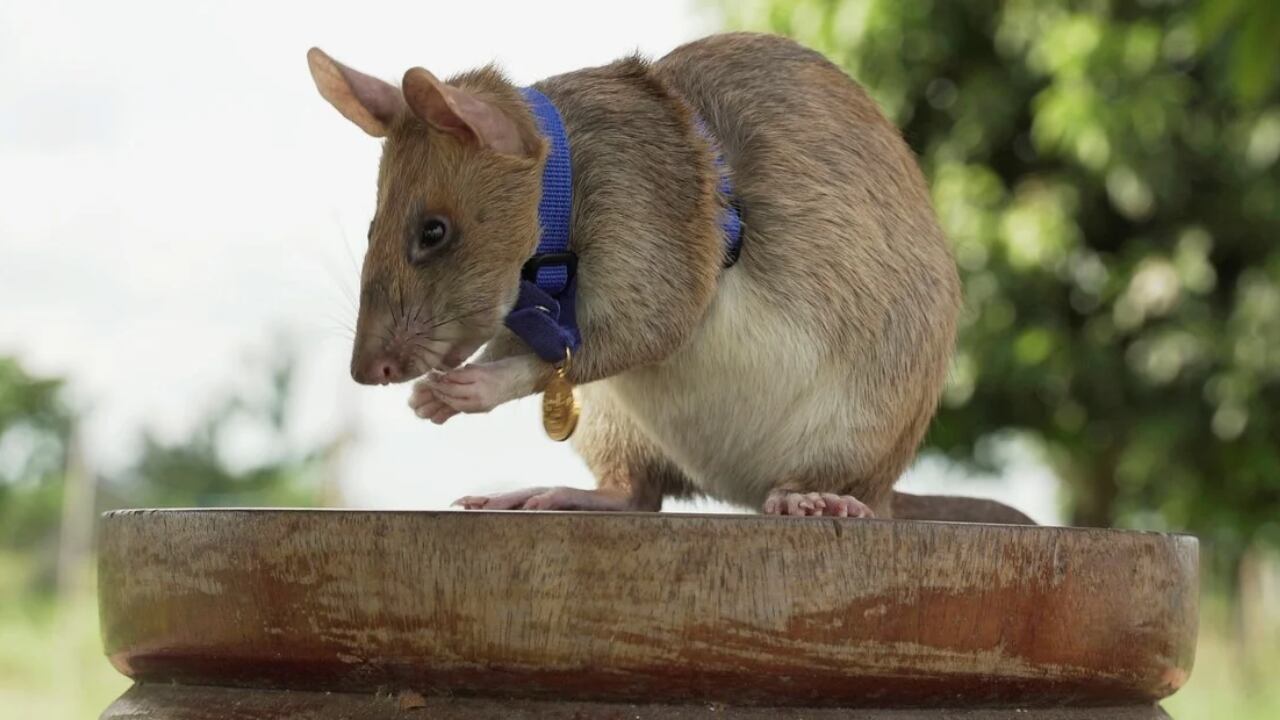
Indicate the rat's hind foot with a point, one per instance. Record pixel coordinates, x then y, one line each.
783 502
545 498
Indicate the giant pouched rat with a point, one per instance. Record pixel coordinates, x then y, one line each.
799 380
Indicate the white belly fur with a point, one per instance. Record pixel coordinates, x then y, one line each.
751 401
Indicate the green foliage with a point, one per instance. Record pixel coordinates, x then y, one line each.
51 662
197 470
1107 172
34 428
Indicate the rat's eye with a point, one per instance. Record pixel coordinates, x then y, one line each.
435 231
369 237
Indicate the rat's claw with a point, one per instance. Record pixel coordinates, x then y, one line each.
783 502
846 506
816 502
798 504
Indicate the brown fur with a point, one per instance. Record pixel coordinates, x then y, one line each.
839 236
493 200
644 217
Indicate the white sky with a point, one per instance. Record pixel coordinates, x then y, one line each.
174 193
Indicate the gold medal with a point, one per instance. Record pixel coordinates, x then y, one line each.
560 407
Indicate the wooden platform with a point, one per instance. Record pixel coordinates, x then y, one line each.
656 616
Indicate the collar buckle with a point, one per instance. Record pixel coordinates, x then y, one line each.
568 259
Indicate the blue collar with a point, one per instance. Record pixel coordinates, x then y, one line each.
544 315
731 218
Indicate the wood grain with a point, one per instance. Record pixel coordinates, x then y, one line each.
649 608
179 702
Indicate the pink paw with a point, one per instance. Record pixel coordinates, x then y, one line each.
782 502
470 389
544 498
478 388
428 404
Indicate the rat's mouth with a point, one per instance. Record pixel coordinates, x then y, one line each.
403 351
457 354
453 359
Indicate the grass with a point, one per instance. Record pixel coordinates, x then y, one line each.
1228 681
51 661
52 667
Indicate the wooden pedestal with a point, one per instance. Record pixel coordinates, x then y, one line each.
363 615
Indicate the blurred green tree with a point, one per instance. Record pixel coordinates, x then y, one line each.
200 470
1107 172
35 427
46 519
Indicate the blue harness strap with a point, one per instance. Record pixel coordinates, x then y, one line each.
544 316
557 195
731 218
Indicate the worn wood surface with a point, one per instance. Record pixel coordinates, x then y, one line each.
649 608
179 702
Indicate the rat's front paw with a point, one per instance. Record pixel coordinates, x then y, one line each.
427 403
782 502
474 388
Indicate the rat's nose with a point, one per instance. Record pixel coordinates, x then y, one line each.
378 371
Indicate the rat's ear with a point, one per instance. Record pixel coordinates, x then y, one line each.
462 114
364 100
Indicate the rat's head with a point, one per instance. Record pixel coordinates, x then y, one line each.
457 213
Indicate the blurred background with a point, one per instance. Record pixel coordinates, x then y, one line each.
183 218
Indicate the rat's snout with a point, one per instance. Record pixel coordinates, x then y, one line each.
388 343
380 358
380 369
